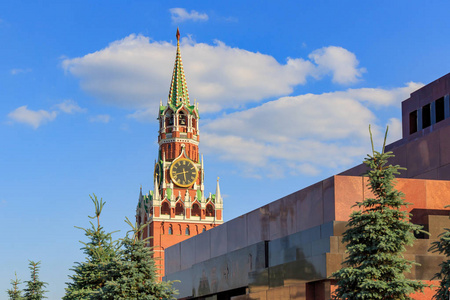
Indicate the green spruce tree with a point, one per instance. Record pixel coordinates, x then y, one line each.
15 293
442 246
90 276
376 238
134 274
35 287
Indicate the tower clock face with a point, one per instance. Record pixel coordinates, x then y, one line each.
183 172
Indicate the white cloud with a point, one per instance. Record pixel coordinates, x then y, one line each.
144 115
19 71
130 73
100 118
70 107
395 130
180 15
302 134
31 117
383 97
339 62
36 118
135 73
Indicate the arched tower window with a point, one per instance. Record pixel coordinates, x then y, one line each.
179 209
187 232
170 229
165 209
209 210
194 123
204 228
196 210
169 118
182 118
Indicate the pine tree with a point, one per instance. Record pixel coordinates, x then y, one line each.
90 276
376 238
442 246
15 293
134 273
35 287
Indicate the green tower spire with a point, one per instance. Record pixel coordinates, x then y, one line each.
178 93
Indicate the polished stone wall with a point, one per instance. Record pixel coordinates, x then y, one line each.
296 241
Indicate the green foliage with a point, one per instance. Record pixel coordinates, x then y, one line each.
376 238
442 246
116 270
134 273
15 293
90 276
35 287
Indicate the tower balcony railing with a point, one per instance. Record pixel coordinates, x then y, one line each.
161 216
182 135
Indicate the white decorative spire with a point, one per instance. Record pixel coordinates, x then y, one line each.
187 198
156 192
163 179
218 196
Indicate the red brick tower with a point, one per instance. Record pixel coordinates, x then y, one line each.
177 208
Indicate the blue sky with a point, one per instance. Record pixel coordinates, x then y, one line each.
286 91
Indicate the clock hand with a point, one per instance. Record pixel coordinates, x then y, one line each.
184 173
178 173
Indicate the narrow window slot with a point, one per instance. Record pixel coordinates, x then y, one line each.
413 122
426 116
440 110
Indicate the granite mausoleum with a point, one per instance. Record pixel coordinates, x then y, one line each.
289 248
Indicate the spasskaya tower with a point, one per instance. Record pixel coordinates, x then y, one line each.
178 208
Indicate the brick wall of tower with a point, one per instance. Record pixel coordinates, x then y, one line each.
174 151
